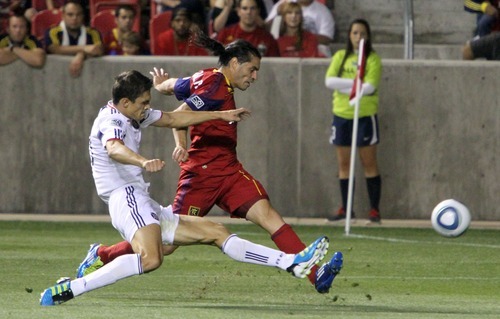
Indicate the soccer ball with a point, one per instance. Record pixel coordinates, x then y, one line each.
450 218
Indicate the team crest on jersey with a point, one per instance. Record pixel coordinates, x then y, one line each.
197 101
194 211
153 214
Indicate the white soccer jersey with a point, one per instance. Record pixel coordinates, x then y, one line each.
111 124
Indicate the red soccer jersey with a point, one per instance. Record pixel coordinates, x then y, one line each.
213 143
259 38
309 46
111 43
167 45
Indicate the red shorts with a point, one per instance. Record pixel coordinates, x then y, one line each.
235 194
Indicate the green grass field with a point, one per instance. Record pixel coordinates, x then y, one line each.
388 273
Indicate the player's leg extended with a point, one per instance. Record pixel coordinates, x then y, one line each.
148 256
193 230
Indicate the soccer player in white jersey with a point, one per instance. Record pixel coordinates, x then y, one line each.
117 170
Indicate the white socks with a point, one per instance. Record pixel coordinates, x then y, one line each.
248 252
122 267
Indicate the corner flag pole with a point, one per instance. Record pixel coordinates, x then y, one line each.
355 98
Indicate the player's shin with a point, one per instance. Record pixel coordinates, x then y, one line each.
248 252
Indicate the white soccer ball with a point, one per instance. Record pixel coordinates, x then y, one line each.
450 218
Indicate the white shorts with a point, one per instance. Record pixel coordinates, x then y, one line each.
131 208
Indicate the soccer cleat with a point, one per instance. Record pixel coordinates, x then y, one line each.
91 263
310 256
56 295
326 273
340 215
374 216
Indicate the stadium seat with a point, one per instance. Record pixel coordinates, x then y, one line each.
157 25
44 20
101 5
39 5
104 21
153 7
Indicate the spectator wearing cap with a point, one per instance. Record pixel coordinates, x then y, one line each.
175 41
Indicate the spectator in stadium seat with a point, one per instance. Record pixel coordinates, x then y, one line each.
317 19
196 8
112 40
487 47
72 37
340 78
117 168
18 44
294 41
488 19
224 13
176 40
248 29
132 44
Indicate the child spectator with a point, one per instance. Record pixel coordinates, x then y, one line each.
132 44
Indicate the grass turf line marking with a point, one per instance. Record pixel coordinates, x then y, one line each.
399 240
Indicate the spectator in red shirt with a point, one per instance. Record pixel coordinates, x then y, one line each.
294 41
124 18
175 41
249 30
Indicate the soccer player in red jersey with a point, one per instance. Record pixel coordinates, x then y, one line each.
211 173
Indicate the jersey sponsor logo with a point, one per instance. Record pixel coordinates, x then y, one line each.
153 214
197 101
194 211
115 122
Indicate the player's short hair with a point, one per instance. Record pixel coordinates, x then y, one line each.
130 85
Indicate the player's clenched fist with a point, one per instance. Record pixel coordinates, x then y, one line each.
153 165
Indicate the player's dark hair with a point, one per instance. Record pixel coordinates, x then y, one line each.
350 49
130 85
125 7
240 49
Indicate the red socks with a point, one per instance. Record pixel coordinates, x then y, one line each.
287 240
109 253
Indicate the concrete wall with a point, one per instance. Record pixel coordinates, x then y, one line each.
435 22
440 124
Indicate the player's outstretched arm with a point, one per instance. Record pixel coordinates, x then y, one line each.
161 81
181 119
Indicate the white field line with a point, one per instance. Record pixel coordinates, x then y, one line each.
399 240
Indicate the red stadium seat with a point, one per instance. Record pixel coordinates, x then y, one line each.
101 5
157 25
104 21
39 5
44 20
153 6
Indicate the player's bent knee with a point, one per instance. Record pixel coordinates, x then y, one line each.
150 263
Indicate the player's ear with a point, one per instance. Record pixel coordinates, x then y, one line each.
124 102
234 63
